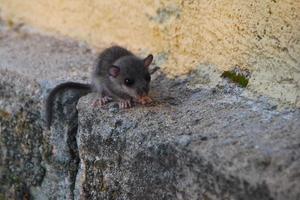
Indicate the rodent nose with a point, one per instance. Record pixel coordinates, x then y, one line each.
143 91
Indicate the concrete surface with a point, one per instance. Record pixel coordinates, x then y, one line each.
193 142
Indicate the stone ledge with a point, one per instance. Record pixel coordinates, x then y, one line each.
202 144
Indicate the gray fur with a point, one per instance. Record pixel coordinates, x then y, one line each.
126 65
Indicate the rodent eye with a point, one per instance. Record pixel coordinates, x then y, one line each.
148 78
128 81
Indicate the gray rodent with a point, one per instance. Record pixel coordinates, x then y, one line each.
118 75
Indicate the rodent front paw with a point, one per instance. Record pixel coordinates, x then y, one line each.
102 101
125 104
145 100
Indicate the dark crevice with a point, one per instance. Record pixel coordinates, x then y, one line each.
74 155
66 115
72 122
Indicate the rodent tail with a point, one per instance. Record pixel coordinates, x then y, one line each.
58 88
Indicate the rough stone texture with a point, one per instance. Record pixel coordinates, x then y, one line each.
193 142
262 36
20 137
34 162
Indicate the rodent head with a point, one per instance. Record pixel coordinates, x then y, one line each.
131 75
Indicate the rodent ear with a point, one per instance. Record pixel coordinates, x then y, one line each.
148 60
114 71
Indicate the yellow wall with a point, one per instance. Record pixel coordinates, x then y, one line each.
262 36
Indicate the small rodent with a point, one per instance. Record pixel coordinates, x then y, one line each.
119 75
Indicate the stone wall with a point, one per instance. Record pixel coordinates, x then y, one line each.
191 143
260 36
